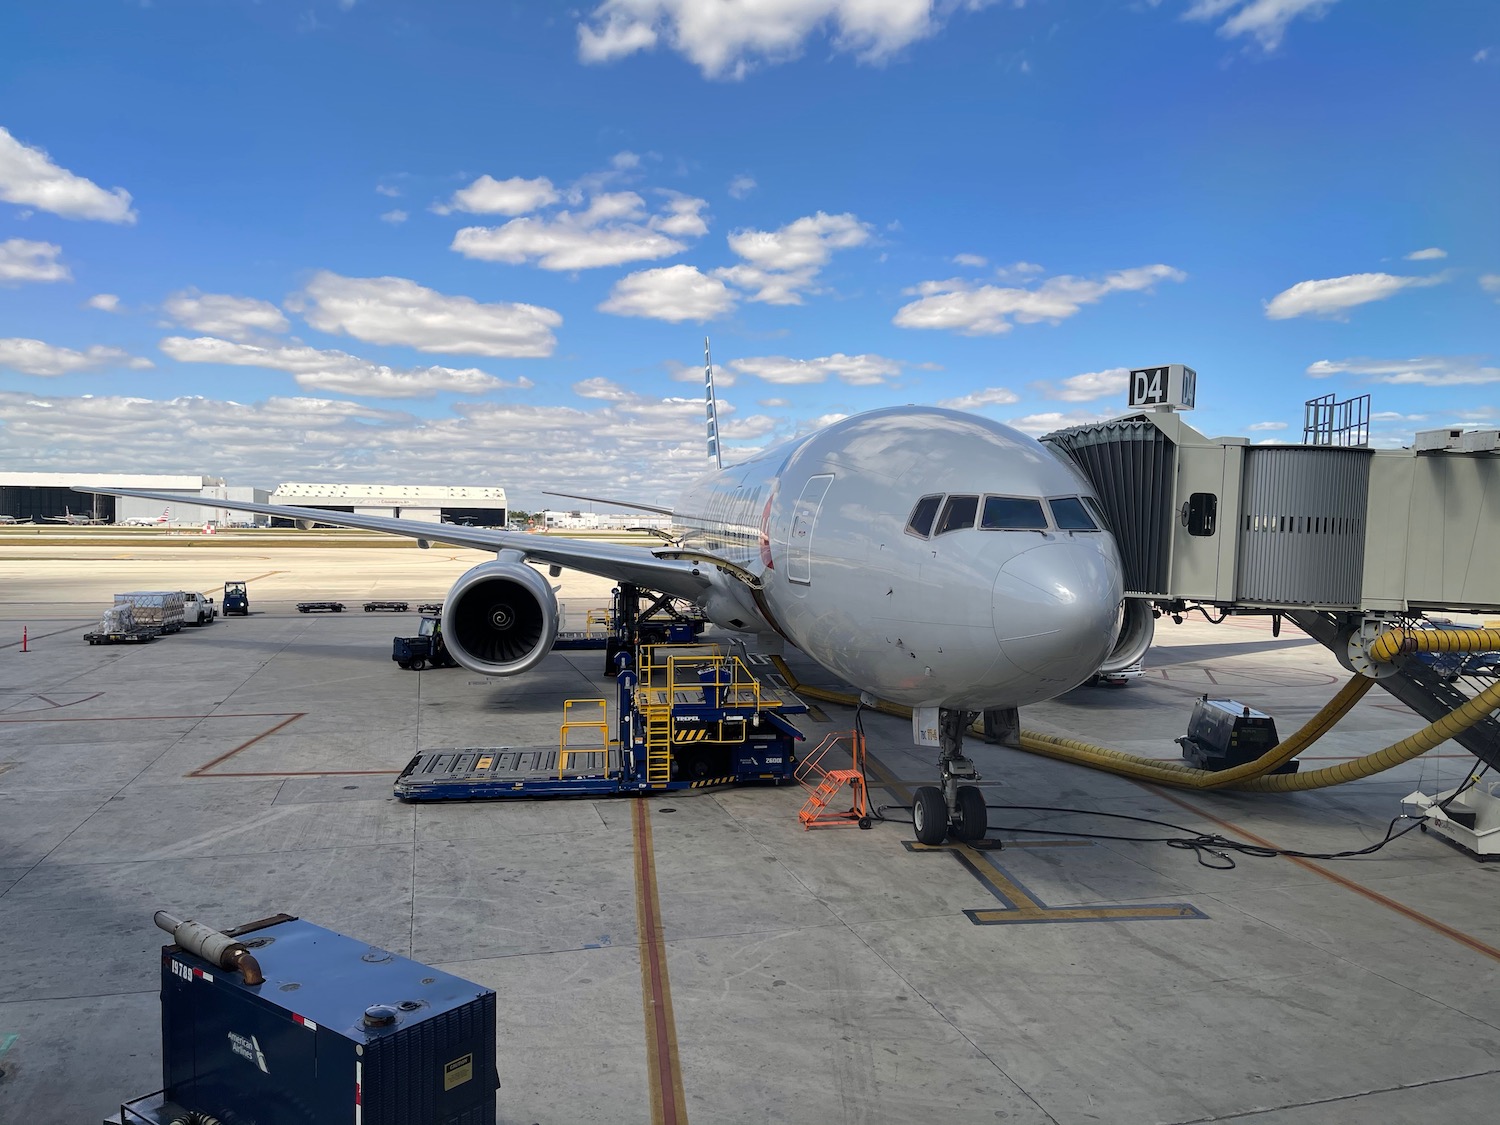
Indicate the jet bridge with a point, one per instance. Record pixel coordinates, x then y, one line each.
1346 541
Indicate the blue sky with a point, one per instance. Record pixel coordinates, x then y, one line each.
481 243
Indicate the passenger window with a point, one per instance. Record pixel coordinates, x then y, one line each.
1069 514
958 513
1013 513
922 516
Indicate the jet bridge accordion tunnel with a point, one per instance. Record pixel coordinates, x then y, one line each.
1358 547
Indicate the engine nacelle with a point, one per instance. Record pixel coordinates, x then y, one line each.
1137 630
500 619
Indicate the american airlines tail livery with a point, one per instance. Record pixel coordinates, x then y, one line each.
926 556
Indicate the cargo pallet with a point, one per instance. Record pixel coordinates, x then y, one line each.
390 607
134 636
320 607
693 717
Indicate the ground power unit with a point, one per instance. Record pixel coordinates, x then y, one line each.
336 1033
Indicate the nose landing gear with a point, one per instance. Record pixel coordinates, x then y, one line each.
953 808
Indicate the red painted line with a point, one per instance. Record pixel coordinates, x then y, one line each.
1401 908
668 1102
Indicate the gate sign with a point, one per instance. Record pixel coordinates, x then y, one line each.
1173 387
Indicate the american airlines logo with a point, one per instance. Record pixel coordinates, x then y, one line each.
248 1049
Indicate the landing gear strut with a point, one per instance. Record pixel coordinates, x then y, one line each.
955 808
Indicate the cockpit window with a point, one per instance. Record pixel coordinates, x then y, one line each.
922 516
1069 514
958 513
1013 513
1096 511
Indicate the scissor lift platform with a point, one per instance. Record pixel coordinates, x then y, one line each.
694 718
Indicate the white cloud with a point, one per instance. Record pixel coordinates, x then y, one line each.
681 217
1258 426
388 190
22 260
394 217
29 178
336 371
1018 271
1088 386
673 293
741 186
990 396
395 310
1266 20
1427 371
773 403
780 265
985 310
1432 253
1490 283
726 39
1038 424
973 261
104 302
855 370
1481 55
612 231
1331 296
489 196
34 357
222 314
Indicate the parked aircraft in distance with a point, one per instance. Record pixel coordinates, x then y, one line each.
147 521
925 556
14 519
69 517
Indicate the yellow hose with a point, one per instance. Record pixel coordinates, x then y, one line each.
1390 644
1254 777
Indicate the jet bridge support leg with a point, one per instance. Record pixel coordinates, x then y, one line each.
956 808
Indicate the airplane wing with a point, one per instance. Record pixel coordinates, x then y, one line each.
618 503
642 566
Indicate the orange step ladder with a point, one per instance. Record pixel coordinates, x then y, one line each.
824 783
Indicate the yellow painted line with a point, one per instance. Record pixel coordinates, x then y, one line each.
664 1068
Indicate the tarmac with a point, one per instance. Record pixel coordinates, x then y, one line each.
699 956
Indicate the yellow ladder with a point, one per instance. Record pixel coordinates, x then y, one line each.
658 744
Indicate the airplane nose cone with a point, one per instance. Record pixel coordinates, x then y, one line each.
1056 608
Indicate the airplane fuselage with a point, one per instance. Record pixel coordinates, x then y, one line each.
928 556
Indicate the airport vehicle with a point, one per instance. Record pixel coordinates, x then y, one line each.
693 716
283 1021
144 521
392 607
119 626
926 556
236 599
14 519
430 607
320 607
196 609
79 520
426 648
161 610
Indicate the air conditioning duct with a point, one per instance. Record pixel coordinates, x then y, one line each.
1137 630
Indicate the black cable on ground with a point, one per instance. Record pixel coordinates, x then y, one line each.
1199 843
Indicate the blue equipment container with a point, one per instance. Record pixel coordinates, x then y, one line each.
339 1033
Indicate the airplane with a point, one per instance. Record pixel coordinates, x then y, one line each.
926 556
147 521
14 519
82 520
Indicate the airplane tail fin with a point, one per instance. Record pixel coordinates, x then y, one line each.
712 408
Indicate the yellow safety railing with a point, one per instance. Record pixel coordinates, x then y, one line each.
597 720
603 619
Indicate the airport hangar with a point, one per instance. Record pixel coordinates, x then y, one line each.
41 496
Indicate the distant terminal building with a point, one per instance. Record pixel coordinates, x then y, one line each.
49 498
477 505
586 521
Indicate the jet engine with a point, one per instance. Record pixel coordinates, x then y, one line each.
500 618
1137 630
